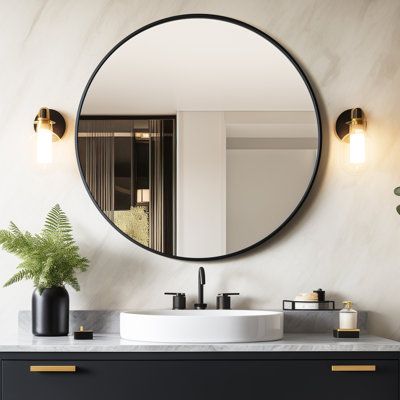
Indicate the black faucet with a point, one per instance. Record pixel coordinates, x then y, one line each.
200 305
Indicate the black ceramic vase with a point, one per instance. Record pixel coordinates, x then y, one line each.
50 312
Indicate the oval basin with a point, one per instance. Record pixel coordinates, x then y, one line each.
201 326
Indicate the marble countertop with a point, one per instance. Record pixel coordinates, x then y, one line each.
113 343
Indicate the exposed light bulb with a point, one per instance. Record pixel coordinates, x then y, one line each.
44 146
357 146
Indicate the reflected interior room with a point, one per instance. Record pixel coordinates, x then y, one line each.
129 167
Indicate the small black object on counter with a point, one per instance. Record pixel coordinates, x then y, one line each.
346 333
83 334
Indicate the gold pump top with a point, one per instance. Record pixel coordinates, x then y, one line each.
348 304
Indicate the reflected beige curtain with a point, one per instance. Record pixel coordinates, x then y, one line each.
99 171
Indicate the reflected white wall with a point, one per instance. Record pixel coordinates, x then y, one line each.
200 186
262 187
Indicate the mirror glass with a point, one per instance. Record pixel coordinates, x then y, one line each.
198 137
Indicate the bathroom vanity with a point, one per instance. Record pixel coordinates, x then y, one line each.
299 366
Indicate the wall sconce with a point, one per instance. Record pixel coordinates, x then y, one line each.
350 127
50 127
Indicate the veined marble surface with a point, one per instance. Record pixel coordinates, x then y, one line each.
107 321
113 343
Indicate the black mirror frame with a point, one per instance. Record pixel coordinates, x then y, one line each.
266 37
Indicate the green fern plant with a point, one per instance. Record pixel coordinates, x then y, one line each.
50 258
397 193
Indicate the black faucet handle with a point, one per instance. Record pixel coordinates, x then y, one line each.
178 301
224 300
228 294
175 293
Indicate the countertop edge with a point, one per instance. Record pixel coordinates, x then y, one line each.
113 343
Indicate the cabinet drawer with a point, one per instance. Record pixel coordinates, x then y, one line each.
199 379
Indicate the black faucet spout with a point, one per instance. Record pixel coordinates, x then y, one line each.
202 276
200 305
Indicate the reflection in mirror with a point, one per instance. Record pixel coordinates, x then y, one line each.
198 138
128 165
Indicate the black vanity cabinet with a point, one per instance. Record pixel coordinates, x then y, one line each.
200 376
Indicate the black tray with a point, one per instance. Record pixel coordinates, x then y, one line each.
327 305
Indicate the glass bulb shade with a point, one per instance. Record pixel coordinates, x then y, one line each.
44 145
357 145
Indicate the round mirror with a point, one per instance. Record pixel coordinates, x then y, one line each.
198 137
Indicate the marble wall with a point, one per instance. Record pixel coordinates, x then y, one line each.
345 239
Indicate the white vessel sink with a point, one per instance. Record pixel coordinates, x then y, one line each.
201 326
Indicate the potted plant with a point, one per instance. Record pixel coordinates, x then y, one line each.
50 259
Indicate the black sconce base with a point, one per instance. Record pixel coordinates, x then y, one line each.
343 123
59 123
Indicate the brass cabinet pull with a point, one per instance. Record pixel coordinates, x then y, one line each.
52 368
353 368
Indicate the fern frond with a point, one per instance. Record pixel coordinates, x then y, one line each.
14 229
16 242
17 277
58 225
73 282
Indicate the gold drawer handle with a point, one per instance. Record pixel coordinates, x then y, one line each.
353 368
52 368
